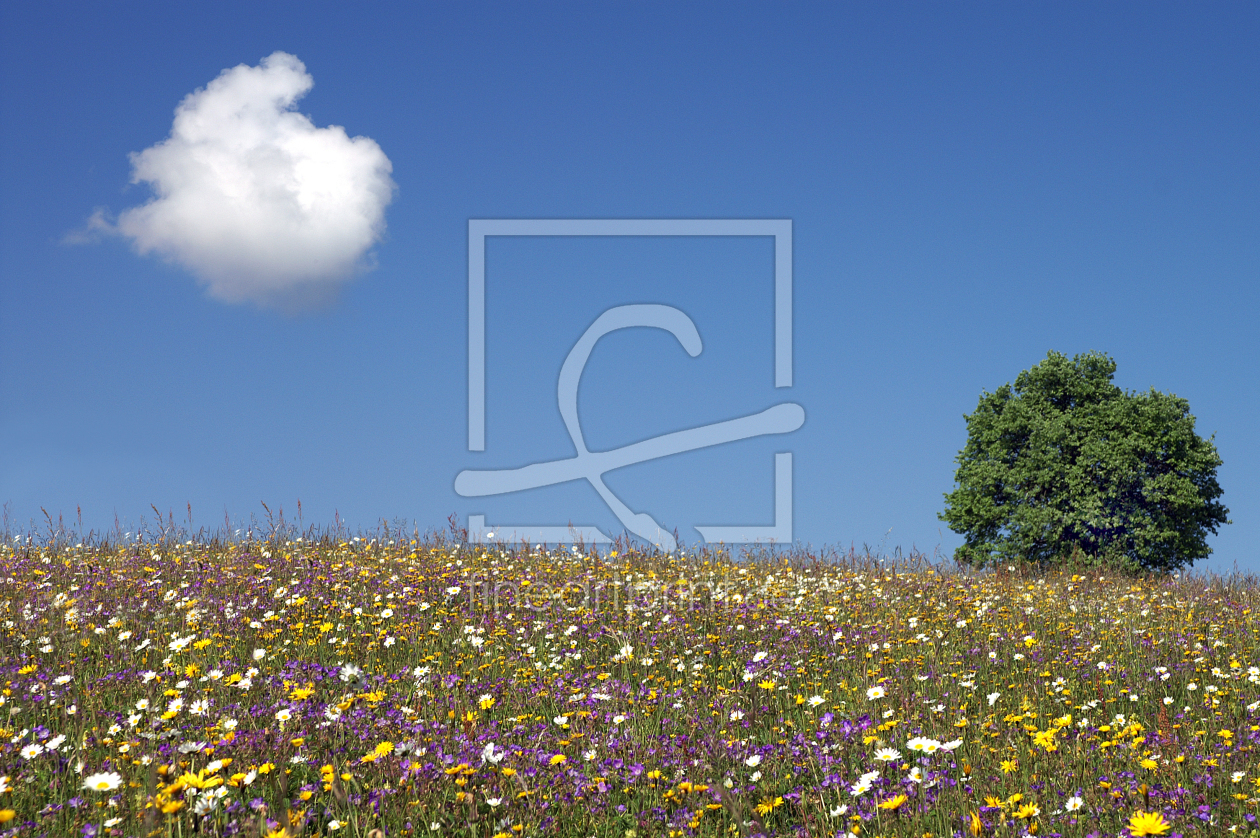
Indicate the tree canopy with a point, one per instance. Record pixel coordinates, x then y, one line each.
1065 466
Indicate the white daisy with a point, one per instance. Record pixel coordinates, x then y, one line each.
105 781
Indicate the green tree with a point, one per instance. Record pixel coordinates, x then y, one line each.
1067 466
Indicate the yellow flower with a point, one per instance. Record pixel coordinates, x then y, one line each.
768 805
1149 764
894 803
381 750
1026 811
976 826
766 685
559 759
7 815
1009 766
1148 823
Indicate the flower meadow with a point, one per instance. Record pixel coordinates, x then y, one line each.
403 686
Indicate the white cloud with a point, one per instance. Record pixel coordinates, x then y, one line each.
254 199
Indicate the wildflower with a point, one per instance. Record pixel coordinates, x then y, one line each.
1074 803
768 805
106 781
32 750
383 749
1028 810
753 761
815 700
915 775
894 803
1148 823
1008 766
887 754
875 692
489 754
976 826
558 759
7 815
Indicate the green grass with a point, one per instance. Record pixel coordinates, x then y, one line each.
340 687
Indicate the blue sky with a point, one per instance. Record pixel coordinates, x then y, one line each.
969 187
